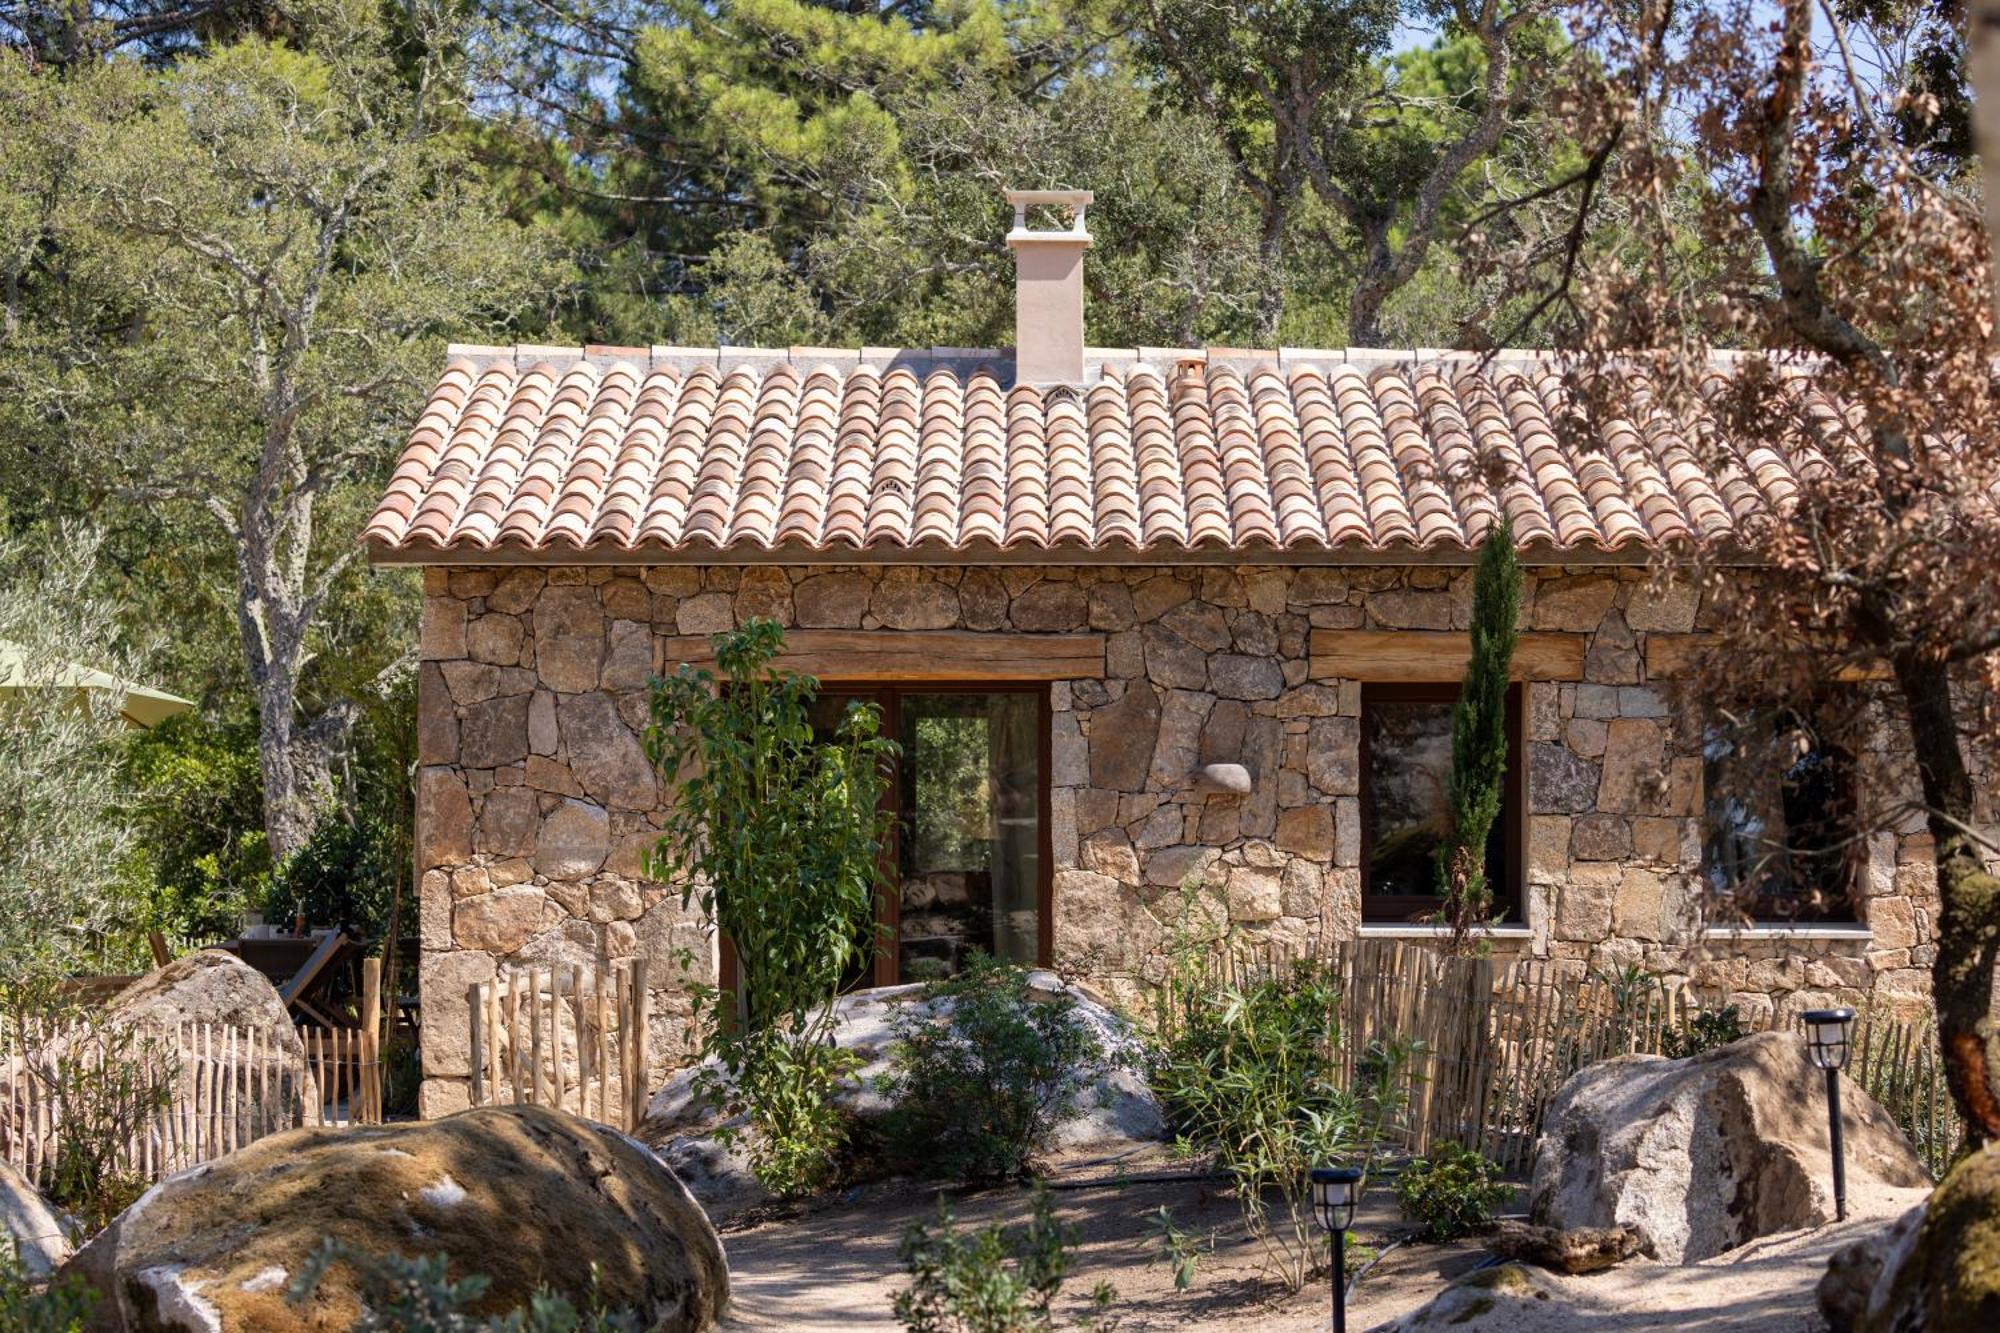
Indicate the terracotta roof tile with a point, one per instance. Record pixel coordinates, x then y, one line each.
823 450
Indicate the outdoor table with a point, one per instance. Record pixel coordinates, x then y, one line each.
302 967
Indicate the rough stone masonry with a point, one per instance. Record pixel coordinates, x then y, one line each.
536 801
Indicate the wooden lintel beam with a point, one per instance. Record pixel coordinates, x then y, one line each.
1421 656
885 654
1669 656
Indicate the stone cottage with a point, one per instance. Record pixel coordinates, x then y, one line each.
1141 618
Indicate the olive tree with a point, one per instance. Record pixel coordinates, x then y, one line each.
62 833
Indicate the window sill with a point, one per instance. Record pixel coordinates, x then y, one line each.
1395 930
1831 931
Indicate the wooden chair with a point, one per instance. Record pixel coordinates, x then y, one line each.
298 991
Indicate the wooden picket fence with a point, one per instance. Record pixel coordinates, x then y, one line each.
568 1037
160 1100
1901 1067
1479 1046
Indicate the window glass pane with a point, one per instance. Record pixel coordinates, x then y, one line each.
1404 794
970 850
1779 819
1406 807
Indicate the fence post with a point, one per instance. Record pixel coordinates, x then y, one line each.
535 989
642 1016
371 1042
475 1009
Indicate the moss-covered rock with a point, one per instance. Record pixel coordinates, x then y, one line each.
530 1198
1943 1275
1486 1298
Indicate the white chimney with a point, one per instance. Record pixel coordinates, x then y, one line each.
1048 289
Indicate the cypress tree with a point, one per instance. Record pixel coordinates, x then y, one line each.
1479 735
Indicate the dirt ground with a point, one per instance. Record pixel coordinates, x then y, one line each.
832 1264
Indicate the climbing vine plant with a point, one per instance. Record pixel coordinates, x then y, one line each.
777 835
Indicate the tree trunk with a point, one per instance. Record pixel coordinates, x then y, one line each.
297 773
1968 932
295 761
1372 288
1271 254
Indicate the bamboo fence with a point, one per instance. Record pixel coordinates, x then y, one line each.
155 1101
573 1038
145 1101
1480 1046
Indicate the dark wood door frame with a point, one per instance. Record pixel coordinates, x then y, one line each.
888 695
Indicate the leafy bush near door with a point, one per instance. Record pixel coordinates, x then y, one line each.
982 1070
777 834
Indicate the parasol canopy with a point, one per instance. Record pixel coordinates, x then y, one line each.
139 705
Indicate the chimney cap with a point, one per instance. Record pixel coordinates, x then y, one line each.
1076 201
1072 198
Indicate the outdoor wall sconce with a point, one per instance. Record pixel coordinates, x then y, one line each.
1828 1045
1231 778
1335 1192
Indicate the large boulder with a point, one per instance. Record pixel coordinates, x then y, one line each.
529 1197
1707 1153
1937 1270
1853 1270
27 1223
206 987
1116 1111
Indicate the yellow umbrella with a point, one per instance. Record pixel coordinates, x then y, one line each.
139 706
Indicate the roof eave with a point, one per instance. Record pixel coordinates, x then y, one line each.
387 554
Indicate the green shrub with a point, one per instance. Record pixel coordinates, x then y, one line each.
1179 1250
1451 1193
345 875
1704 1032
983 1072
416 1294
993 1280
24 1308
1248 1075
1479 742
799 1139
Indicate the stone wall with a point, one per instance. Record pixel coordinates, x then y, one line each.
535 800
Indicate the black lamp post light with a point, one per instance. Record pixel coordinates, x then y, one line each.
1828 1044
1335 1192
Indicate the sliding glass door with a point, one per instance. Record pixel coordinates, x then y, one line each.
969 859
969 862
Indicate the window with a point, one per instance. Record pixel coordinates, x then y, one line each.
970 857
1779 842
1405 807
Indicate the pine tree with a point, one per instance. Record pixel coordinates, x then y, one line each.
1479 736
